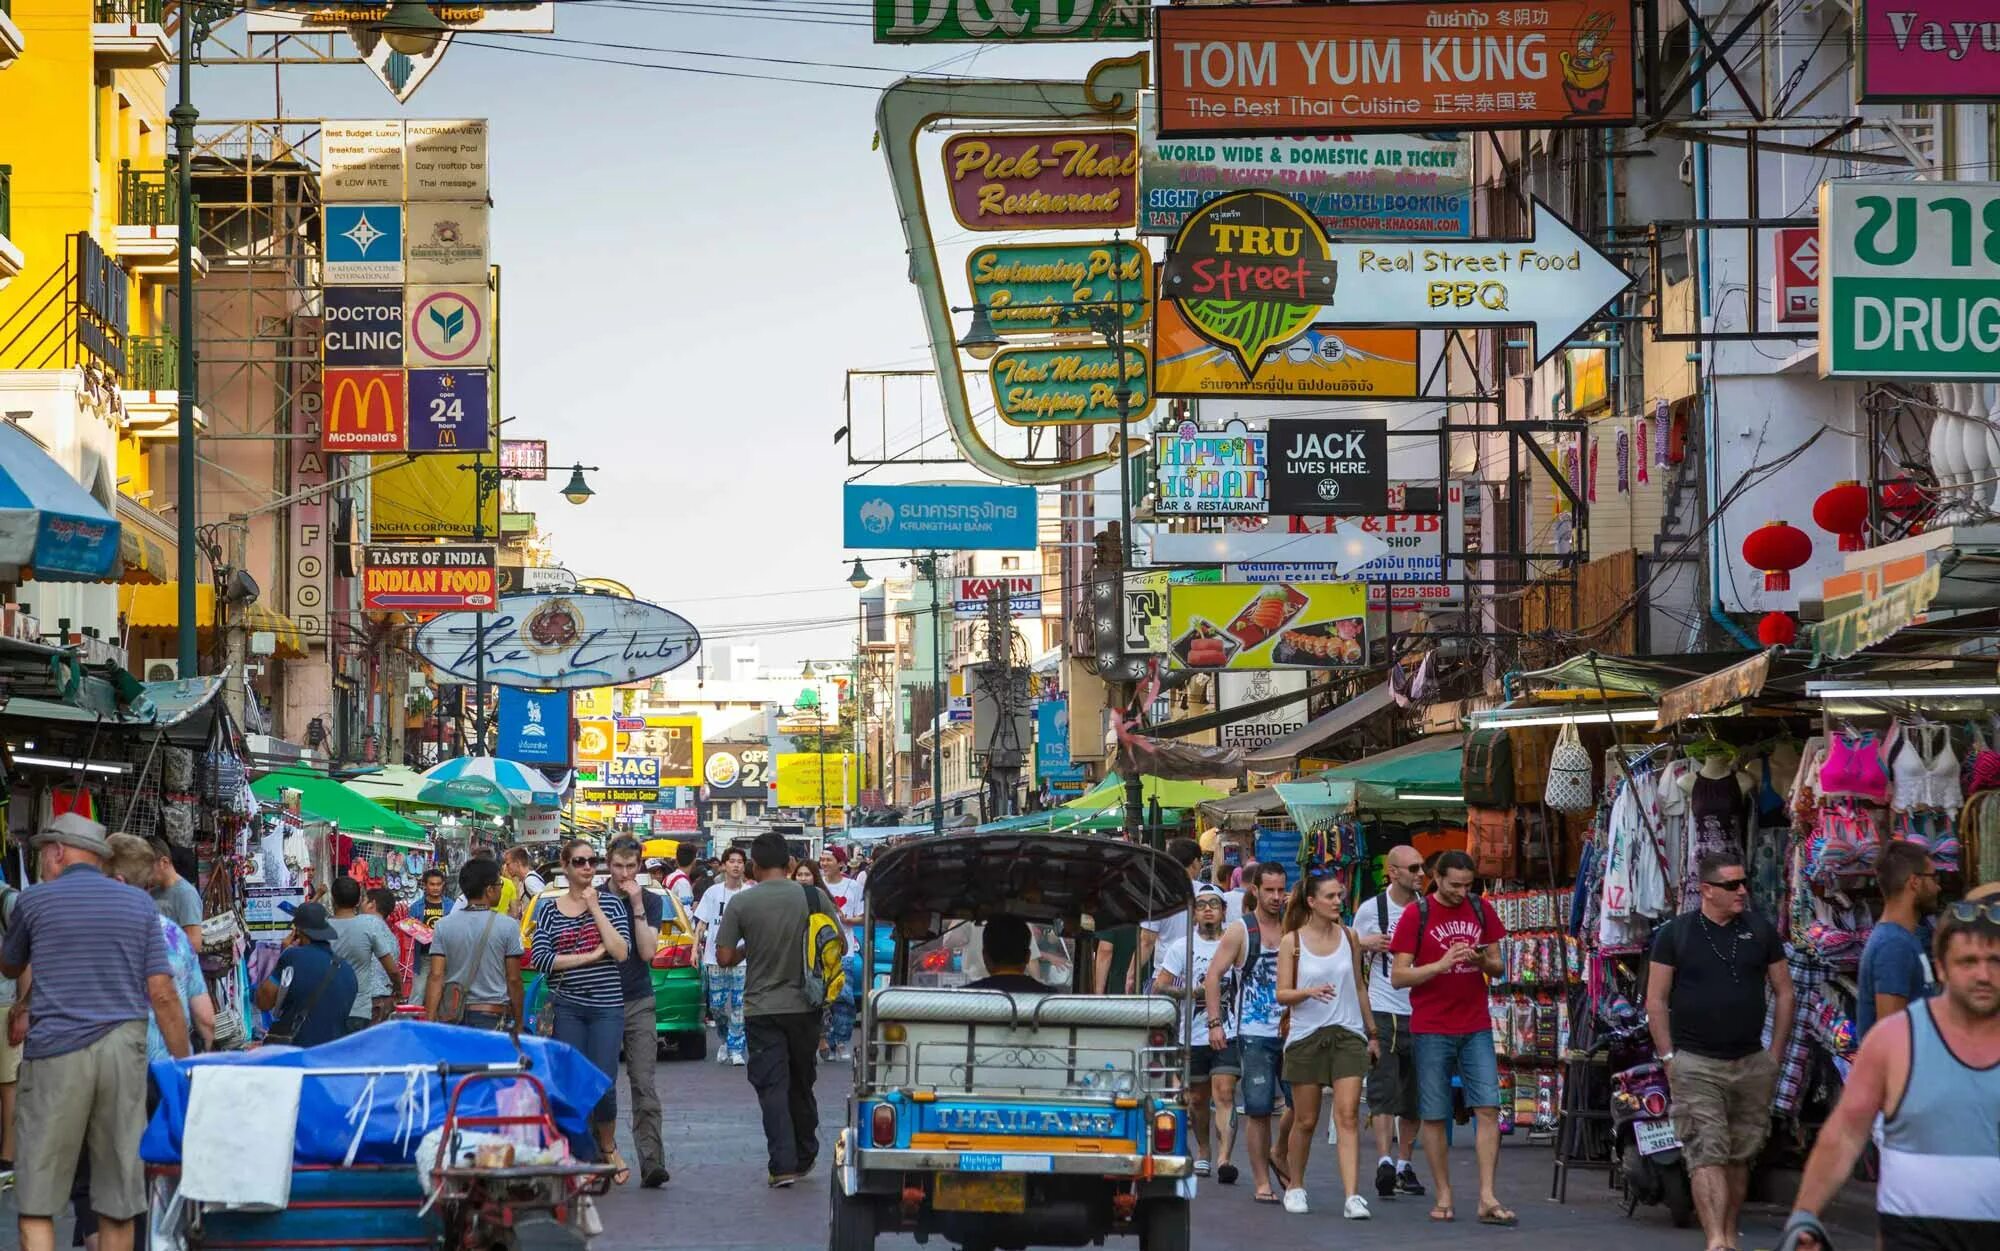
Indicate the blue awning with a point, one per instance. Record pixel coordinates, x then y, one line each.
47 520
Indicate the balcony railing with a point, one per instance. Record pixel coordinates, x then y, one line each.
6 185
152 363
146 197
129 12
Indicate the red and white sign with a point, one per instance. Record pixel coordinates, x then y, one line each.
676 821
1795 297
1023 592
1414 569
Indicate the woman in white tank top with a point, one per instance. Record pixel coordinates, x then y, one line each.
1322 983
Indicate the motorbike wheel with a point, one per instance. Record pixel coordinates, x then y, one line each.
1164 1226
1677 1192
851 1226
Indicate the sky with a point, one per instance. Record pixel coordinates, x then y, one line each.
691 263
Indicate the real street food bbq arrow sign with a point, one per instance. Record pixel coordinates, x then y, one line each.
1253 271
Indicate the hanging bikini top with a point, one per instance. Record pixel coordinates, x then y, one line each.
1854 767
1922 783
1982 764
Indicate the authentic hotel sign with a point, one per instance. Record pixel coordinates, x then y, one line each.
1319 68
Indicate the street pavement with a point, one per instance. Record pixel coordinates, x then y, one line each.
718 1200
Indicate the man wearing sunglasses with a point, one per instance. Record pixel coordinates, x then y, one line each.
1713 973
1932 1074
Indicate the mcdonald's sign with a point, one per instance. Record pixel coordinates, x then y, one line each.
362 410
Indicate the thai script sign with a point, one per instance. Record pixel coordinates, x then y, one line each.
1034 288
1924 50
1451 64
1043 180
1322 362
1069 386
1909 280
1357 185
1211 472
1412 573
1008 21
429 577
948 518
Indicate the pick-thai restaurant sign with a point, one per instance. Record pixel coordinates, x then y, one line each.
561 642
1069 386
1204 472
1909 279
1447 64
1043 180
1926 50
1329 468
429 577
1034 288
1008 21
1323 362
1357 185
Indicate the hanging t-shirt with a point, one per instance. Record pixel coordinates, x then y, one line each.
1173 962
1453 1002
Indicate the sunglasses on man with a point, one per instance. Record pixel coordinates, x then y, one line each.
1730 883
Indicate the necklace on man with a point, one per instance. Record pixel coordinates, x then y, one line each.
1735 946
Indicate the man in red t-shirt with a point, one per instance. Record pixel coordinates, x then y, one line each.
1445 947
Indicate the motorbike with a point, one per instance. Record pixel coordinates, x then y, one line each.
1651 1166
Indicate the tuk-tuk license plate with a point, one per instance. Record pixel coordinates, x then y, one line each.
980 1192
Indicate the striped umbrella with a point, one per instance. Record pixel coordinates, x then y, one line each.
489 783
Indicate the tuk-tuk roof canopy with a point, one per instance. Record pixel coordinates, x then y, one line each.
1037 877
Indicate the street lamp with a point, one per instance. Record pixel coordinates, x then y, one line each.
411 27
576 491
981 341
857 577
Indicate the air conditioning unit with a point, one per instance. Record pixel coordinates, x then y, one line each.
162 670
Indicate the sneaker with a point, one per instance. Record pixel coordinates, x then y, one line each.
844 1055
1201 1168
1357 1208
722 1054
1385 1179
1295 1201
654 1179
736 1058
1407 1183
778 1181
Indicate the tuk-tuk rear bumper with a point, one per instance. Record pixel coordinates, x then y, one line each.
887 1160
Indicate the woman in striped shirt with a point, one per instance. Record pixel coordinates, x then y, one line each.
579 940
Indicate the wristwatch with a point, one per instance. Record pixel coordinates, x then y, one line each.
1667 1057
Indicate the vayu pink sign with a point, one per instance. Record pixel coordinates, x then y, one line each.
1913 50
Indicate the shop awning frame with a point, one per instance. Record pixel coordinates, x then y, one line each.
1282 752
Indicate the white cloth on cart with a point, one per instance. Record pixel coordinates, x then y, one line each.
237 1160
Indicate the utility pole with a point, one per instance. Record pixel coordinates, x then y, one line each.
485 481
930 568
235 682
183 117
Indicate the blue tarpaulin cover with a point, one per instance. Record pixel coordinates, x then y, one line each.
398 1115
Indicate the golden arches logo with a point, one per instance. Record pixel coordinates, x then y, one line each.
351 404
350 387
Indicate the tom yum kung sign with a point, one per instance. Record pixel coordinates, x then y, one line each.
1205 473
430 577
1068 386
1044 180
1456 65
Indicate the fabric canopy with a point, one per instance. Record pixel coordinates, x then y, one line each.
398 786
158 608
47 520
1422 775
1280 753
1110 793
323 799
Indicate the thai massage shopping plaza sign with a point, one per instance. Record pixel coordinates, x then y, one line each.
1909 280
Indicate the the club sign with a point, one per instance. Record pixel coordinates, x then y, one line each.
1249 272
561 642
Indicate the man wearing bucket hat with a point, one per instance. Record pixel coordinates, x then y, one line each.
99 968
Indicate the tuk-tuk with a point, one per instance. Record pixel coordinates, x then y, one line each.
1003 1119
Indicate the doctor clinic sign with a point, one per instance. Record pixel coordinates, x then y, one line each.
1909 280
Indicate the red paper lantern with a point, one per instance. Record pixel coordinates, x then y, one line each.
1777 548
1902 496
1777 629
1843 511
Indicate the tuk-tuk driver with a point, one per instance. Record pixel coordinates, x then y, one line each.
1005 947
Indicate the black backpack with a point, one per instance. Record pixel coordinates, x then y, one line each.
1424 916
1486 775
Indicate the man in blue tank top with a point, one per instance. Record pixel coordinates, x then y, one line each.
1932 1072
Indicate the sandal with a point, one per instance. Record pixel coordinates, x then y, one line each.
1265 1196
624 1170
1443 1212
1498 1215
1278 1171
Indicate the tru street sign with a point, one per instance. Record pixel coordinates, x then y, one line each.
1250 268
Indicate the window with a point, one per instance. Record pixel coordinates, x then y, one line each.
1010 562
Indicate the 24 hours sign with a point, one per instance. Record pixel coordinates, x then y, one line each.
1909 280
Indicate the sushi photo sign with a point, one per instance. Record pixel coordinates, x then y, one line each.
1287 625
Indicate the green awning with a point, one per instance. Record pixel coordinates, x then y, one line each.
1110 793
1405 777
323 799
396 787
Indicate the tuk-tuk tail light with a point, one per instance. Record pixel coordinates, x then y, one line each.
1125 1101
882 1125
923 1096
1166 1129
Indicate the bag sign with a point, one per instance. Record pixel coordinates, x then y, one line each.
1909 280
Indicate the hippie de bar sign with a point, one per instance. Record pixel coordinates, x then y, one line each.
1448 65
1043 180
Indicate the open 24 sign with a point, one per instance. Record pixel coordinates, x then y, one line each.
448 410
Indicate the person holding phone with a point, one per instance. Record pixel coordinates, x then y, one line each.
579 944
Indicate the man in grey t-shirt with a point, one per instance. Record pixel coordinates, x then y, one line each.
780 1024
173 894
368 948
480 950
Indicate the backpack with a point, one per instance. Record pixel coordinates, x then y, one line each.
1495 845
1486 775
1424 916
825 974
